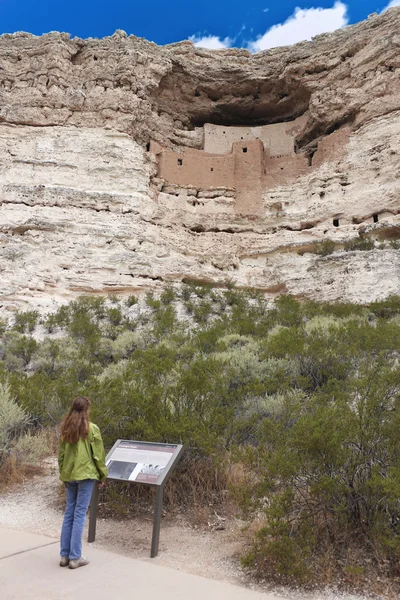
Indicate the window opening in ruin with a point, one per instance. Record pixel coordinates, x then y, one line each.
336 222
376 218
197 93
244 149
148 147
212 168
180 162
95 58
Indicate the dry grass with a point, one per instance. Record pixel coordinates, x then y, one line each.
25 459
196 488
13 472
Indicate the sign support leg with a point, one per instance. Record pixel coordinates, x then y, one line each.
93 513
157 521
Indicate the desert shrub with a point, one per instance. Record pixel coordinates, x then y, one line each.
324 248
359 244
113 298
20 448
83 327
164 321
26 321
125 344
152 302
13 420
189 306
18 350
186 292
32 447
168 295
3 326
47 357
287 311
321 322
58 319
331 464
131 301
50 323
202 312
386 309
114 315
202 291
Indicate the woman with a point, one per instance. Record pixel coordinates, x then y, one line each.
81 461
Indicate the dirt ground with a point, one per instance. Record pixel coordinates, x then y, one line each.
212 552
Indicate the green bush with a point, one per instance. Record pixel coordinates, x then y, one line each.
152 302
168 295
113 298
359 244
324 248
131 301
114 315
331 458
13 421
26 321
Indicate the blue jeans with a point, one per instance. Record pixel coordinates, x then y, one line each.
78 499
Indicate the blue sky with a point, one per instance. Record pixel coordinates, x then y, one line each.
256 24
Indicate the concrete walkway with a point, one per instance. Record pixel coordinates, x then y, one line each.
29 570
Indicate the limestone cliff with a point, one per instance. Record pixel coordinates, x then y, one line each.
86 206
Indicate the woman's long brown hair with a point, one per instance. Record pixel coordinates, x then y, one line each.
76 424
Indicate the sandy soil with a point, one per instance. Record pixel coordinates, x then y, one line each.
212 553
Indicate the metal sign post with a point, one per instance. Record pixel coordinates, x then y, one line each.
93 513
148 463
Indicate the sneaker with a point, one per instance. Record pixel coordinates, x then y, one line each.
64 561
79 562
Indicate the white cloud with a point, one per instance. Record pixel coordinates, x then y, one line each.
392 4
211 42
303 25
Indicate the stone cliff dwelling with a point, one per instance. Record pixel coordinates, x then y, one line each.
245 159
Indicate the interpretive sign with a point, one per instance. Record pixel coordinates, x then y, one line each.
142 462
148 463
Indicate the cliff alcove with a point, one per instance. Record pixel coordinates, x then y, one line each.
226 99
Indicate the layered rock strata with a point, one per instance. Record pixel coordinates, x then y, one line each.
86 208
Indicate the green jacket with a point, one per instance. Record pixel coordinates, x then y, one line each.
83 460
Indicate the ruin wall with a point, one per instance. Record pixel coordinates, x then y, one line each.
249 176
277 138
282 170
197 168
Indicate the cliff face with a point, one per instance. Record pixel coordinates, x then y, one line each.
83 206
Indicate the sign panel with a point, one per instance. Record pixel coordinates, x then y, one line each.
140 462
